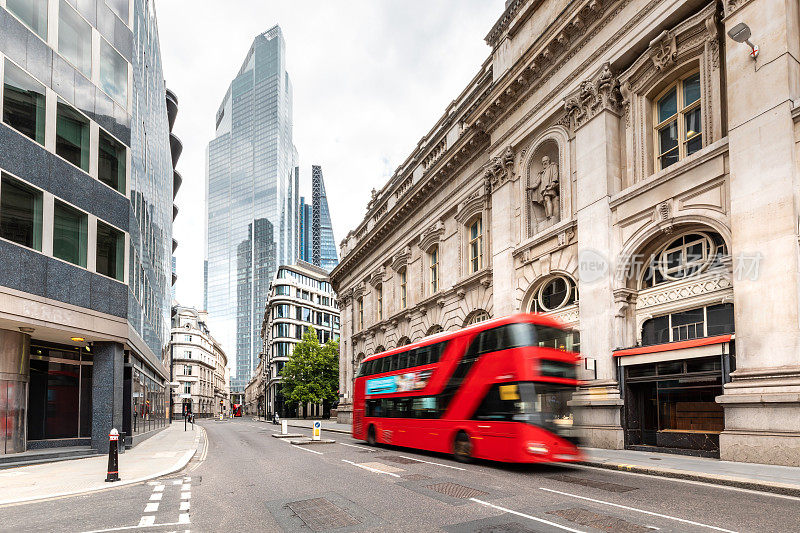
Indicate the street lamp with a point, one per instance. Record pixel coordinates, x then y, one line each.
741 34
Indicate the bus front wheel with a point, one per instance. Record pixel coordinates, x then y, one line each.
462 447
371 439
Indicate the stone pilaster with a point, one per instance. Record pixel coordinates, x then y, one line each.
762 402
14 377
107 397
594 112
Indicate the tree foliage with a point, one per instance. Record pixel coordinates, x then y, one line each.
311 375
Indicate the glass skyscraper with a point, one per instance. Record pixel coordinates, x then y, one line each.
323 247
252 201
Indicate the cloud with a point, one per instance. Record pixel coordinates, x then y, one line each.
370 79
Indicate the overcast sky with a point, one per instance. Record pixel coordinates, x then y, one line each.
370 79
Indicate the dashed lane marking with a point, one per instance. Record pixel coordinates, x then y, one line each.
147 521
156 496
184 506
183 518
177 482
125 528
186 486
375 470
432 463
354 446
186 495
651 513
529 517
151 507
305 449
158 488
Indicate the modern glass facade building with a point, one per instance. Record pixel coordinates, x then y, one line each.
252 200
304 231
86 211
323 244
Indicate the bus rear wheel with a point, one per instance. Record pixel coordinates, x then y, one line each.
462 447
371 439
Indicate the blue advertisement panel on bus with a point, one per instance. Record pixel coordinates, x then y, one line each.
407 382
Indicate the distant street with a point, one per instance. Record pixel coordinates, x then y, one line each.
250 481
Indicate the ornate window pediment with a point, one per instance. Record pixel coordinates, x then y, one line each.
431 235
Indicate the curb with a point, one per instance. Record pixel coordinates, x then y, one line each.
180 465
334 430
786 489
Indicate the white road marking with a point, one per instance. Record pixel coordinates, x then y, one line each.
639 510
305 449
151 507
177 482
124 528
186 486
156 496
184 506
370 469
158 488
153 482
354 446
542 520
431 463
186 479
147 521
186 495
183 518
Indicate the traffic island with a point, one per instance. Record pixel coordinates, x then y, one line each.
301 442
288 435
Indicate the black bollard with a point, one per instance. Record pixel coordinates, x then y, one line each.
113 456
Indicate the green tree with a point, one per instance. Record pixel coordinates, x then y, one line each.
311 375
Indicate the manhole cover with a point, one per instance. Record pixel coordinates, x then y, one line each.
610 487
455 490
399 459
320 514
599 521
416 477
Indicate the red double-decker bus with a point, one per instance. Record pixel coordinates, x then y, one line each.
497 390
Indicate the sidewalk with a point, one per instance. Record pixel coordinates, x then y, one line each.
168 451
768 478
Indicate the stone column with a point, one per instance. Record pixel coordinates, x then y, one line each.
14 377
762 402
501 233
594 112
345 409
107 397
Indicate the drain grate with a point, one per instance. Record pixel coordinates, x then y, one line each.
320 514
610 487
399 459
416 477
455 490
599 521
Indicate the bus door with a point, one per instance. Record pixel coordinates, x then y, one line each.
494 419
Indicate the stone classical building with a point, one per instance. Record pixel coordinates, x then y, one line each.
200 374
629 168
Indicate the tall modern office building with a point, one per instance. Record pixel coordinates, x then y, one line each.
323 248
252 201
304 231
86 210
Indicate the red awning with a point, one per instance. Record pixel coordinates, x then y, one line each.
655 348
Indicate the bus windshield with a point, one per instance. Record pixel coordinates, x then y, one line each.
539 404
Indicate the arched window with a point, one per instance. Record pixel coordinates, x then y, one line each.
379 349
685 256
433 330
475 317
678 120
403 341
475 245
707 321
433 269
553 294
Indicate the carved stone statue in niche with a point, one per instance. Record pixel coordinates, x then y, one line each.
543 188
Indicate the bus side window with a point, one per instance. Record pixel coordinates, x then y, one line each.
436 352
412 358
403 361
393 362
423 355
368 368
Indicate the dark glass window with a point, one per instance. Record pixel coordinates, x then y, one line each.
720 319
412 358
23 103
75 39
69 234
20 213
72 136
655 331
557 369
32 12
113 73
112 163
110 251
403 360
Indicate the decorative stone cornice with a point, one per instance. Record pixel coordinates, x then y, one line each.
401 258
377 277
472 205
503 22
705 288
595 95
431 235
733 5
500 169
664 50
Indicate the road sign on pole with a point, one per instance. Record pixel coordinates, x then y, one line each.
317 430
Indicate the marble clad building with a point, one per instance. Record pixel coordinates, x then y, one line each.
625 166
